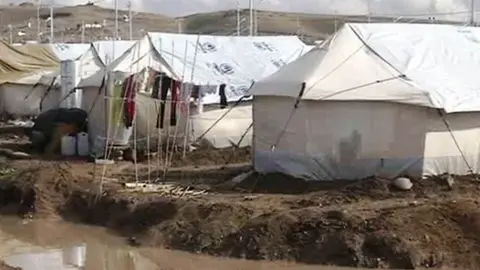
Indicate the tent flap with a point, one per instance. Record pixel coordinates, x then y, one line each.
18 62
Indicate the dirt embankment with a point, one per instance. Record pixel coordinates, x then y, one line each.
364 224
4 266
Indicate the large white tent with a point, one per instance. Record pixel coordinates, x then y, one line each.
40 90
375 99
26 95
68 51
201 60
98 56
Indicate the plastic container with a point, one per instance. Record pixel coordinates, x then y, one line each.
68 145
74 256
83 147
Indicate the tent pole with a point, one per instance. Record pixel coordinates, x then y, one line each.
116 20
38 21
181 96
107 110
51 22
251 17
83 31
238 18
130 22
472 15
10 33
170 109
187 122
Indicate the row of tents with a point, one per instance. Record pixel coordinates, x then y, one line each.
35 83
374 99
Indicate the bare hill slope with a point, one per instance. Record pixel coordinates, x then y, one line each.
68 23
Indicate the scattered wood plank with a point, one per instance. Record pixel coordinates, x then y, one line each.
166 189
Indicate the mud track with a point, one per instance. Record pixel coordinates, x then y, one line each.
364 224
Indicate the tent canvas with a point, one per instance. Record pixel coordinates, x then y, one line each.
20 68
179 57
19 62
69 51
31 93
375 99
109 50
235 61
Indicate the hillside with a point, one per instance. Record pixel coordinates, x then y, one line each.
68 21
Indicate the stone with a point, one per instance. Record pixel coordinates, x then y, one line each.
403 183
20 155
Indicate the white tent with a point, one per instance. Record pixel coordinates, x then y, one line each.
69 51
200 60
109 50
29 94
23 96
98 56
376 99
235 61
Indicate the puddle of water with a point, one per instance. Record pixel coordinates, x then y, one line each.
42 245
38 245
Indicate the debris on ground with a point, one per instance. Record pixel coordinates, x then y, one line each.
450 181
163 189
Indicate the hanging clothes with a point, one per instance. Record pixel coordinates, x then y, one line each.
223 97
166 83
156 77
128 93
116 102
173 105
195 91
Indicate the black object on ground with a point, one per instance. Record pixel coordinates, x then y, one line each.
44 125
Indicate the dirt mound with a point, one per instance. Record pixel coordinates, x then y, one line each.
208 156
41 189
360 224
4 266
386 239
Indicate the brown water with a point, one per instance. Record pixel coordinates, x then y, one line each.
42 245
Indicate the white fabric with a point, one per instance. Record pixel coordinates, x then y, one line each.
229 129
93 102
369 106
332 140
109 50
235 61
88 64
69 51
24 100
226 59
231 125
209 94
89 60
367 62
253 64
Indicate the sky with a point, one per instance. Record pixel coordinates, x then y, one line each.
456 9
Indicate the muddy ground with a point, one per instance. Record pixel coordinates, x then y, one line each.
361 224
4 266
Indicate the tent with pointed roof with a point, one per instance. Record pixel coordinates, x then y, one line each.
32 84
202 60
20 69
374 100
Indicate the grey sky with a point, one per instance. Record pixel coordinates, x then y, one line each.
402 7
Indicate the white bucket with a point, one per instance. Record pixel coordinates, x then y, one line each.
74 256
68 145
83 147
